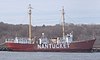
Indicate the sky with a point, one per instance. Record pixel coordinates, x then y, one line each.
48 12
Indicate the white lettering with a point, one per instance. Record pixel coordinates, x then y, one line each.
46 45
42 45
51 46
61 46
57 46
39 46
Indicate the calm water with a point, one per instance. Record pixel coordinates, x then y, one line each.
4 55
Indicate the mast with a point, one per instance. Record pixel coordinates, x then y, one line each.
30 26
63 22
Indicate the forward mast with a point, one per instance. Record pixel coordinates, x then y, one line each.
30 19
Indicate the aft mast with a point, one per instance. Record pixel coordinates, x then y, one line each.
63 22
30 26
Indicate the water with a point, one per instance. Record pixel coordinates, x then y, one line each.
4 55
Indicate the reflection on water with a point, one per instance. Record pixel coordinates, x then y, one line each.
4 55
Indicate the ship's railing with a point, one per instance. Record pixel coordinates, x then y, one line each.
9 40
18 40
22 40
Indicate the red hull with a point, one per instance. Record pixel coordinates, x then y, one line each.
79 46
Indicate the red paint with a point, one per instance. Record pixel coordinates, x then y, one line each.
76 46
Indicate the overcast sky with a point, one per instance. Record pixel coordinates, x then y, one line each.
48 11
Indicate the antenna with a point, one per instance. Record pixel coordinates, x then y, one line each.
63 22
30 26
